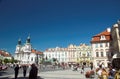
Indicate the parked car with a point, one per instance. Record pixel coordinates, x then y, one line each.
4 67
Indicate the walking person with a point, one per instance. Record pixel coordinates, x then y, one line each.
33 72
24 70
82 71
91 65
104 74
16 69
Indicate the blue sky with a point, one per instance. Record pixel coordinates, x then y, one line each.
52 23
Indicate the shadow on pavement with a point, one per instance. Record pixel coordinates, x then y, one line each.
2 72
24 78
20 78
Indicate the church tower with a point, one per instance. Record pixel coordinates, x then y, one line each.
18 47
28 46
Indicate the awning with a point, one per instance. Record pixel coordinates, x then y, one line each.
117 55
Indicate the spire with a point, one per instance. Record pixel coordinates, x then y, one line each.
28 39
19 41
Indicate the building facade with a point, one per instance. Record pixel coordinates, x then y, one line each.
84 54
60 54
72 54
4 55
100 44
25 54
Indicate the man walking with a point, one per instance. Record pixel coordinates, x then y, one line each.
24 70
16 69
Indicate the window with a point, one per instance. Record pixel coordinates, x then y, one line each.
96 45
88 54
101 45
101 54
32 59
106 44
28 57
80 54
65 53
97 54
102 37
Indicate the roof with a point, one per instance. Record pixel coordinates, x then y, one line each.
97 38
36 52
4 53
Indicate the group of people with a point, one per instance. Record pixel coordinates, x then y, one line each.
32 74
108 73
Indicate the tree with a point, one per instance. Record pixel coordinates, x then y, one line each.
6 60
12 60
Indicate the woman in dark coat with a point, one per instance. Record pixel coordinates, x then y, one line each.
33 72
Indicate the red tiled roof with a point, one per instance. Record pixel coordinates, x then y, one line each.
3 53
97 37
36 52
103 33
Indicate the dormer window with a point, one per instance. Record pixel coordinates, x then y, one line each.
102 37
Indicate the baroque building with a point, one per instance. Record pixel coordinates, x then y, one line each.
25 54
71 55
100 44
84 54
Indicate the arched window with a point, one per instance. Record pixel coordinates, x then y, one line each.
102 54
97 54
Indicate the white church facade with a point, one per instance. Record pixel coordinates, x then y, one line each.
25 54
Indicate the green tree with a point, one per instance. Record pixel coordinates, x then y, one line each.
12 60
6 60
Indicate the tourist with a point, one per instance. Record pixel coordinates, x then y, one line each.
104 74
91 65
33 72
99 72
24 70
111 73
16 69
117 75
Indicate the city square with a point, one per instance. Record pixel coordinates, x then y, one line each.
59 39
48 74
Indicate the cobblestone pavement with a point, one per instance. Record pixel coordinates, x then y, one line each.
60 74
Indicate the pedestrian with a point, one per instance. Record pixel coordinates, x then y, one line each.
117 75
16 69
104 74
111 73
91 65
24 70
82 71
33 72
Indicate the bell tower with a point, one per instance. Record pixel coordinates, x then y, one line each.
18 47
28 46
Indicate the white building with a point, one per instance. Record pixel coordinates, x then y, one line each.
25 54
101 47
61 54
72 54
